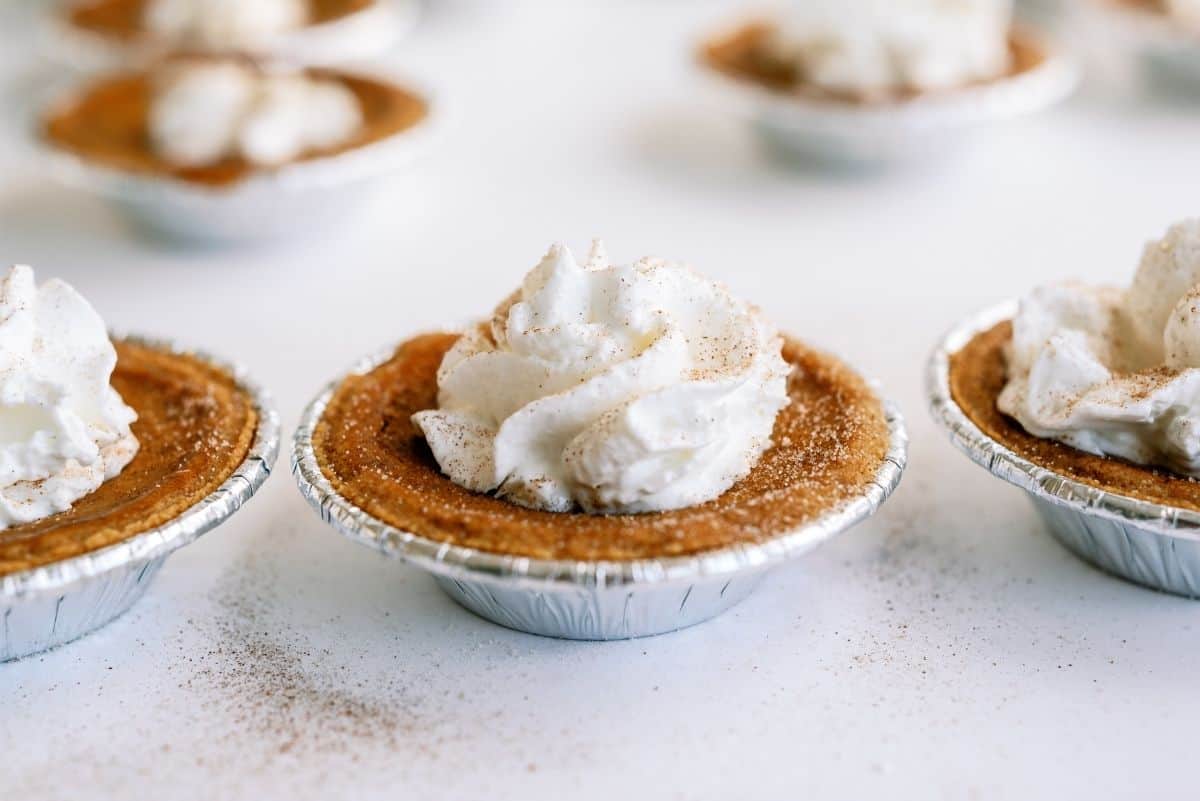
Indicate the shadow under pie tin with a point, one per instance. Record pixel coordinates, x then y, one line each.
1148 543
576 599
49 605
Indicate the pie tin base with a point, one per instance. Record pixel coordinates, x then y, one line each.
617 613
1150 544
1124 549
49 621
241 217
582 600
49 605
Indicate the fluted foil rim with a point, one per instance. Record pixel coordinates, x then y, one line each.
469 564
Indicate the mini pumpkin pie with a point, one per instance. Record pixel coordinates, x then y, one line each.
859 58
115 454
860 80
217 122
222 150
1089 398
111 32
615 416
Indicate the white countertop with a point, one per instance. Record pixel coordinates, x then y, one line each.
946 649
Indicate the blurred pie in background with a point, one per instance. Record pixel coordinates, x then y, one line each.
868 82
209 24
216 121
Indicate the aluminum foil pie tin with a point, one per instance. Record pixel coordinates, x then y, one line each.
584 600
360 36
53 604
839 133
295 199
1148 543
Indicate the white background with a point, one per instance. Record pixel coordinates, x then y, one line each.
946 649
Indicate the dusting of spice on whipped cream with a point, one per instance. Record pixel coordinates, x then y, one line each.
66 430
871 48
205 111
1116 371
611 389
224 23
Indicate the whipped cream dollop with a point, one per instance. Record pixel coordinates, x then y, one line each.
1116 372
63 429
613 389
224 24
205 111
878 47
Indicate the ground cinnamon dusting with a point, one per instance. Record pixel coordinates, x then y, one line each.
123 19
109 124
978 373
286 697
829 443
1145 383
194 427
743 54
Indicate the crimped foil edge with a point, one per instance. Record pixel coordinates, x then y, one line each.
1039 481
206 514
468 564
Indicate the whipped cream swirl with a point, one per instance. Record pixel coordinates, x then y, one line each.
207 111
1116 372
63 429
614 389
224 24
872 48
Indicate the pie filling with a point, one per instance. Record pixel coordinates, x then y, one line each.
195 427
829 442
978 373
